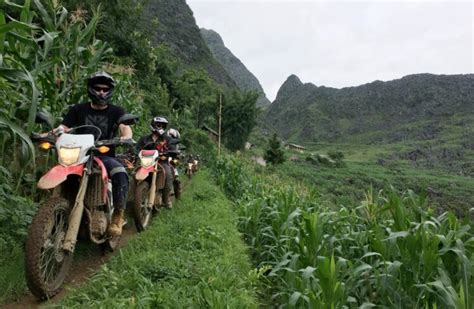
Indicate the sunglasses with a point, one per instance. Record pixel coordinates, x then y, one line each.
99 88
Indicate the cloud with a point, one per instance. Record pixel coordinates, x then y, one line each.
339 44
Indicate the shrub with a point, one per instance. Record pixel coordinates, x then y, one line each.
274 153
336 155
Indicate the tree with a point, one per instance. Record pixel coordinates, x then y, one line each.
197 92
274 153
239 114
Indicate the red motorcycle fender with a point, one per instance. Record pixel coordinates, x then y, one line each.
143 172
58 174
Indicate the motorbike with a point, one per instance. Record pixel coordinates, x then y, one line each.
195 164
151 185
81 201
189 170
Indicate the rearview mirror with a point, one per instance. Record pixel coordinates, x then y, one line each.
128 119
44 117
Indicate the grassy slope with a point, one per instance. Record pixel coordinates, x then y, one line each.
191 256
347 185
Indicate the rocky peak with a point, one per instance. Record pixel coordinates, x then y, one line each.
289 86
244 79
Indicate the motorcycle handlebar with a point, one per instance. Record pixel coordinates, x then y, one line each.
116 142
38 137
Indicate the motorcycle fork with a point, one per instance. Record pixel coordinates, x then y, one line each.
110 201
151 198
75 217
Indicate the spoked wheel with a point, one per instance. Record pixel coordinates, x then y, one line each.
46 263
142 213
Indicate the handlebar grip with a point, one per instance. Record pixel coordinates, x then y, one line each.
115 142
38 137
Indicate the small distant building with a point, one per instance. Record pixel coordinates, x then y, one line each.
295 147
213 135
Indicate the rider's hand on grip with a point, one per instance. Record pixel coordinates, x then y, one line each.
43 137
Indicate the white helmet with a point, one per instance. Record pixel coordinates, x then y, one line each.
174 133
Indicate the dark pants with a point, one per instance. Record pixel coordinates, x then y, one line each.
168 181
119 177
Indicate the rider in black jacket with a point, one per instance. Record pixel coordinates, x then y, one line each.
165 144
101 113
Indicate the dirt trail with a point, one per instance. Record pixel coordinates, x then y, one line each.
83 268
85 265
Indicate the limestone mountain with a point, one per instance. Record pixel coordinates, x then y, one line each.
173 23
416 107
244 79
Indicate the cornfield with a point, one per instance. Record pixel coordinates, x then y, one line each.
46 54
390 251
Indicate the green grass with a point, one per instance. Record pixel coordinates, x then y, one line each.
445 187
347 184
191 256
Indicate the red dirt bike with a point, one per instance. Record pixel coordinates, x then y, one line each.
192 166
81 198
189 169
195 164
151 185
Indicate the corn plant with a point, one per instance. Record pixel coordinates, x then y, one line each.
391 251
46 54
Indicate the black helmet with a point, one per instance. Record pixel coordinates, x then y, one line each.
96 83
158 125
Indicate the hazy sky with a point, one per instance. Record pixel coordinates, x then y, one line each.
342 43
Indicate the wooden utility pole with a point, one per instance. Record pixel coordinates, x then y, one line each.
220 121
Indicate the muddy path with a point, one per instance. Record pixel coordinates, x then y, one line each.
87 261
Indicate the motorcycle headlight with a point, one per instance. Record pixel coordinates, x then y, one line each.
146 161
69 156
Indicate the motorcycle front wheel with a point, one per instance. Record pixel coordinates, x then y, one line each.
142 213
46 263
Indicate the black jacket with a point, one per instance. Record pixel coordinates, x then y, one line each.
170 148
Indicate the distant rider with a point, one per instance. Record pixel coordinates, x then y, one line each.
165 144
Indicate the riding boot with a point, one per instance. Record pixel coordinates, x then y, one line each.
115 227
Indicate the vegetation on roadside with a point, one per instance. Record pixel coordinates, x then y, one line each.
191 256
391 250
